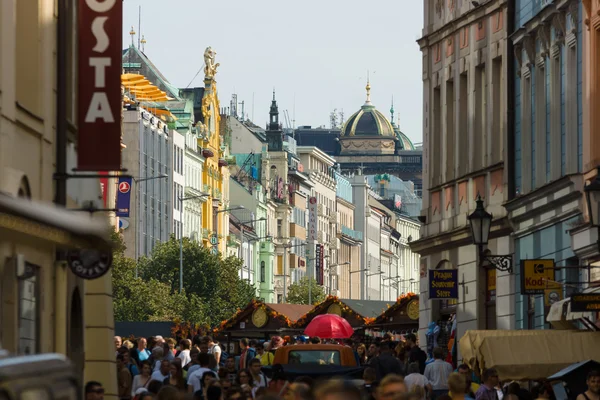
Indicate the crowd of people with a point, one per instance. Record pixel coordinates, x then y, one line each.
199 369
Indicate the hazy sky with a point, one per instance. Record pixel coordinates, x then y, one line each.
314 53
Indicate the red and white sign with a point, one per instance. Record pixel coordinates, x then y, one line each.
124 187
100 26
104 186
312 218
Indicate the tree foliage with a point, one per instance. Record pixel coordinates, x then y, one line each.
298 292
212 289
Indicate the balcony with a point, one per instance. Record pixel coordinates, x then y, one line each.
356 235
297 231
207 153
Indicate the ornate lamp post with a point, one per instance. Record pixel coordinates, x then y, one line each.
481 223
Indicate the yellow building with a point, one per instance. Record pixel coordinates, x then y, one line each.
215 173
44 306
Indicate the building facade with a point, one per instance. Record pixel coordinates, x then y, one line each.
44 307
465 60
548 139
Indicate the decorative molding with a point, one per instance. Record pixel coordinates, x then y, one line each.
529 47
544 34
518 50
559 24
573 14
438 8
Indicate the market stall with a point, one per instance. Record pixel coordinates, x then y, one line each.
397 320
358 313
528 354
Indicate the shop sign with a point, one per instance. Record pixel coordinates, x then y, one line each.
319 264
585 302
443 284
312 218
124 196
100 28
536 276
553 293
90 263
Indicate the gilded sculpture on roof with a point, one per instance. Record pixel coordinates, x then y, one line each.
210 68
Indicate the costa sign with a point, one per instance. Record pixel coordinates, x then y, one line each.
99 118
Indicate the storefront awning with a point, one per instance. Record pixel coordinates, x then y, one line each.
524 355
68 229
561 316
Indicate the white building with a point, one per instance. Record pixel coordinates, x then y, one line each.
192 208
177 166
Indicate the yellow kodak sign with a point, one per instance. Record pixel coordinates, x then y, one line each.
536 276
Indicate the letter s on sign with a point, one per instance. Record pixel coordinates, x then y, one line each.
100 6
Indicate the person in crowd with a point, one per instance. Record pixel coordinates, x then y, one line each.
131 366
145 395
244 377
543 391
176 376
230 369
298 391
154 386
225 384
276 342
261 352
372 353
260 380
386 363
214 349
194 379
361 349
142 380
118 343
390 386
193 365
234 393
415 353
168 393
158 355
464 369
184 355
207 379
593 387
370 380
141 353
246 355
163 371
337 389
214 392
487 391
172 346
124 379
512 391
415 378
94 391
457 385
315 340
437 373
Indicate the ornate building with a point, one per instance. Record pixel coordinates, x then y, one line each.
465 60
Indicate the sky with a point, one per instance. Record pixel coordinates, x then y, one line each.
315 54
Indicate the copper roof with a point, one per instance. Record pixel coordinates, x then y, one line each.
292 311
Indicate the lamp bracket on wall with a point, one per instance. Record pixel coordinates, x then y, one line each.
500 262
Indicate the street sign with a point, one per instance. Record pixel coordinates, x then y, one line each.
123 223
536 276
214 239
215 251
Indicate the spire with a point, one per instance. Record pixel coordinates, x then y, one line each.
132 33
274 114
143 42
392 111
368 88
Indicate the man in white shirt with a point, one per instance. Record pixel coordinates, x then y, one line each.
163 372
437 373
195 378
214 349
184 355
414 378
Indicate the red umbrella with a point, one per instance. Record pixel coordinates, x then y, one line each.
329 326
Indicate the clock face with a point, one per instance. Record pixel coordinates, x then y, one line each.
335 309
259 317
412 309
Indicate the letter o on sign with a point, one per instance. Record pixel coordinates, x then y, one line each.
100 6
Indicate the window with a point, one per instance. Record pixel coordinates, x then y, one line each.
28 310
330 357
263 271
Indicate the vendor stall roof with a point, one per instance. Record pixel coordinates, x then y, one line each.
368 308
534 354
292 311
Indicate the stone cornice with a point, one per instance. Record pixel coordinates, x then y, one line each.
542 192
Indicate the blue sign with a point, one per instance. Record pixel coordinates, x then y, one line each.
123 196
443 284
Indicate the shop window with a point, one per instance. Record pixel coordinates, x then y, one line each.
28 309
490 299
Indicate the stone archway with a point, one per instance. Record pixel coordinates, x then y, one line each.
75 343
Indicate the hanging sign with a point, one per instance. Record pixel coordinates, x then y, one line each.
123 196
443 284
585 302
89 263
536 276
100 26
312 218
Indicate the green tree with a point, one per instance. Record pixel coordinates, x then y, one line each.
137 299
298 292
214 282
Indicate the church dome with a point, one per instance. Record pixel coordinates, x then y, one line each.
367 121
405 142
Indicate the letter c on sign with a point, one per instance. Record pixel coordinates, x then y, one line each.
100 6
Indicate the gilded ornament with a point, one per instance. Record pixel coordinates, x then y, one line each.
260 317
412 309
210 68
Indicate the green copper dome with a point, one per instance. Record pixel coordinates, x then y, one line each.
367 121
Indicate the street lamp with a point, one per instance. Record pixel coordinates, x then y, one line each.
138 214
181 200
481 223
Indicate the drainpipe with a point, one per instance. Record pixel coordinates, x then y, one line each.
61 104
510 103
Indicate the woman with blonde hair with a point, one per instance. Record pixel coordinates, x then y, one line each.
457 385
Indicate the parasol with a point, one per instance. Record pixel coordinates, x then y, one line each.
329 326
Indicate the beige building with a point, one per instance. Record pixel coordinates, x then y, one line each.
44 307
465 60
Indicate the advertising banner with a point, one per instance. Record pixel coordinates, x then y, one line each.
104 187
312 218
585 302
536 276
443 284
319 264
100 26
124 197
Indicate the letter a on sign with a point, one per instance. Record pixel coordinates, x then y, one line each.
100 26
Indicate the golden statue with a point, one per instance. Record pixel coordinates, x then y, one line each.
210 68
